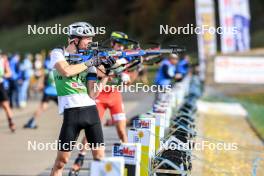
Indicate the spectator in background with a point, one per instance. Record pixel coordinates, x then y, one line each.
38 65
37 72
25 72
166 74
6 85
5 72
182 66
49 93
13 80
167 71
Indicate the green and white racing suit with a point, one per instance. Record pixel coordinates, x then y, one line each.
78 109
72 91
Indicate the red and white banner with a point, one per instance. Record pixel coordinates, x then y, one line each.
243 70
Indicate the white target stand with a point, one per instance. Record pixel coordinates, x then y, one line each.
111 166
144 133
166 108
159 126
159 129
132 156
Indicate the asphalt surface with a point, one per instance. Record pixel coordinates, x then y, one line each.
17 156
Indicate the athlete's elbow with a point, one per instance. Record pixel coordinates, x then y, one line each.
93 95
66 73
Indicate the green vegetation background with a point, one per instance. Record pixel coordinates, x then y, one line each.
139 18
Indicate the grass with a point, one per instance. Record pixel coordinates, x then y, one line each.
258 39
256 114
253 103
252 97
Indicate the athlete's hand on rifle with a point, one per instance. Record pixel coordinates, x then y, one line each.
93 62
107 63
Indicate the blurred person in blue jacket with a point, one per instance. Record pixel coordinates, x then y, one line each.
47 85
167 71
166 76
25 73
13 80
182 66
